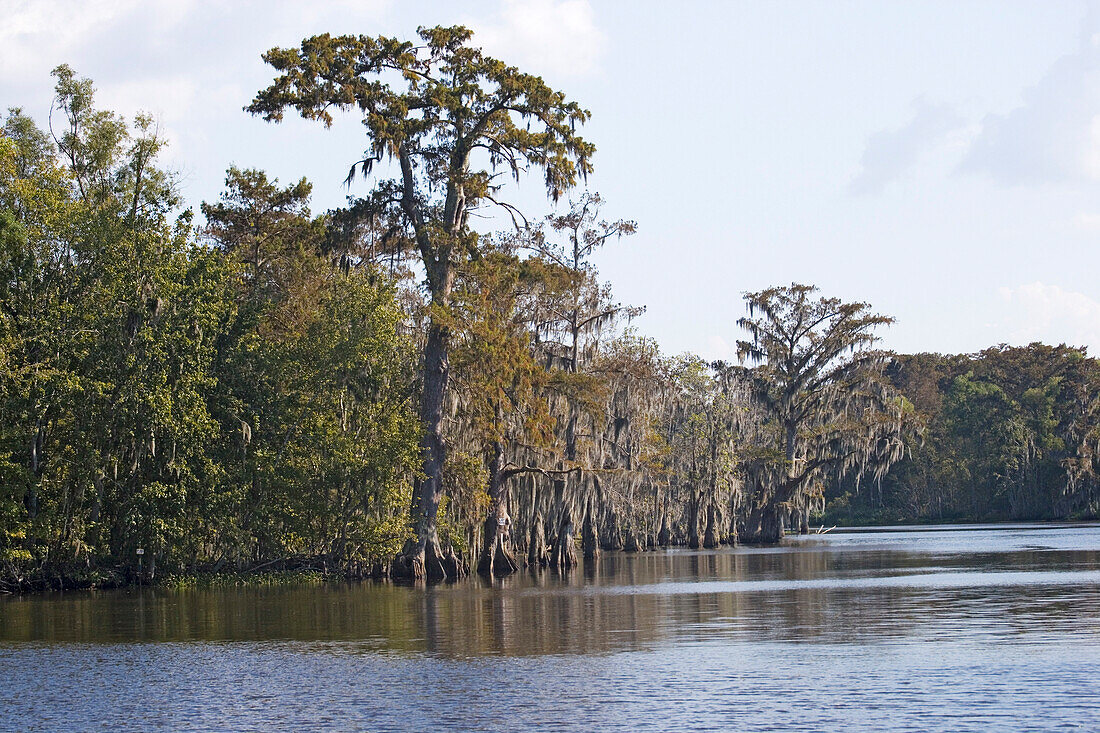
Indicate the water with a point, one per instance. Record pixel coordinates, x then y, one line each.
972 628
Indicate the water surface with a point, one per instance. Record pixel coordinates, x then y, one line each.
971 628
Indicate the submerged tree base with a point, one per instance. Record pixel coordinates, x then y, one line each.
429 561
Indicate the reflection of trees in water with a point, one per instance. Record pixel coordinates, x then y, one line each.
562 617
630 601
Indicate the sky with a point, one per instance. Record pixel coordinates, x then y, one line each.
938 160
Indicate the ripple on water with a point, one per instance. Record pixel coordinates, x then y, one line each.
912 630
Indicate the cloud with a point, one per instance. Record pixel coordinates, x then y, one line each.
890 153
1041 312
193 64
39 34
1054 136
555 38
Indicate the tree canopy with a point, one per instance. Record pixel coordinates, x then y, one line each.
383 390
821 385
453 120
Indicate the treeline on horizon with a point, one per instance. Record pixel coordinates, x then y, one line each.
1009 433
380 390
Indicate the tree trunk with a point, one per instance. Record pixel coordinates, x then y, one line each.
612 539
537 554
763 526
693 521
496 553
422 556
630 540
804 520
772 526
664 537
433 561
710 539
590 535
564 555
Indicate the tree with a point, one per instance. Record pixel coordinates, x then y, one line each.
828 406
570 330
988 443
452 119
110 314
313 388
501 383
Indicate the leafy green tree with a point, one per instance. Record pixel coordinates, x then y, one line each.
988 440
452 119
1006 438
315 388
112 313
821 386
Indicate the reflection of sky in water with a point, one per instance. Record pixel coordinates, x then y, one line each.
915 629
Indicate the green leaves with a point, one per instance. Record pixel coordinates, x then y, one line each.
828 409
452 101
319 433
208 404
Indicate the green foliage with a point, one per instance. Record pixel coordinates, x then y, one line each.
236 403
110 312
316 387
827 409
1010 435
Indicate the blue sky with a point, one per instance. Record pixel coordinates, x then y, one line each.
940 160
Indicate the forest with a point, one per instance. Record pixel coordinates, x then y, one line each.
381 390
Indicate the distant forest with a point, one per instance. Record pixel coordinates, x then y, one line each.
1008 433
379 390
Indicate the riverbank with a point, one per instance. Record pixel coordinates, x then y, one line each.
114 579
305 571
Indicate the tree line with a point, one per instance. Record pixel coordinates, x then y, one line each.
1009 433
381 389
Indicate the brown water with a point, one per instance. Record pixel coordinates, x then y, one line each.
974 628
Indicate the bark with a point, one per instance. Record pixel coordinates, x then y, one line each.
693 522
564 555
710 540
537 554
590 535
612 539
630 541
733 540
496 552
422 556
763 526
664 537
432 562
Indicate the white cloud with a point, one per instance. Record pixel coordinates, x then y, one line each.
554 38
44 33
1054 135
1047 313
193 64
1088 221
890 153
